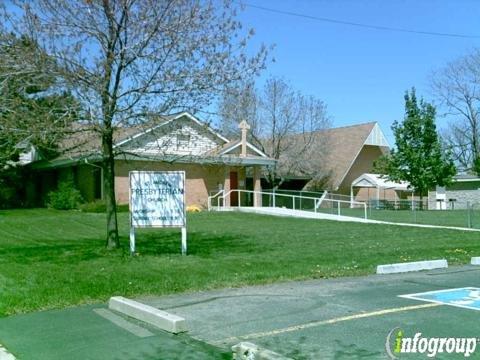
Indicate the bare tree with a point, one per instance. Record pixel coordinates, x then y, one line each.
123 59
239 102
285 124
457 87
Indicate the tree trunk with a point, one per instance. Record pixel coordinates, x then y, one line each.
109 189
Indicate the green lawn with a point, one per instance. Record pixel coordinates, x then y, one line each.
53 259
456 218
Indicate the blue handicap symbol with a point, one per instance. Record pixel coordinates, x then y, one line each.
468 297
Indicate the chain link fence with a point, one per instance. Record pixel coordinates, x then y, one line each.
454 214
459 214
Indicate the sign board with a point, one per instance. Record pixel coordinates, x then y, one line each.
157 199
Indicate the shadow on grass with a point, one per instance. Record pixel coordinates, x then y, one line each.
198 244
151 243
82 250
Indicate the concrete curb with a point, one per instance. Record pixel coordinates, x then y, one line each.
153 316
5 355
250 351
475 260
412 266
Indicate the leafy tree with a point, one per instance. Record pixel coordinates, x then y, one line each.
31 111
127 59
418 157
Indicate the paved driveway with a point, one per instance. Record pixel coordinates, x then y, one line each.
346 318
340 318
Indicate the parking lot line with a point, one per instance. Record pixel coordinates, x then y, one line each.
324 322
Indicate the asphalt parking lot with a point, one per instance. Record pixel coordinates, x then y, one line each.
335 319
348 318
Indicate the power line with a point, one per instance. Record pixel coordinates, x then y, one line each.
362 25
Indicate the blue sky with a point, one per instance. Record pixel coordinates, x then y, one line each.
362 74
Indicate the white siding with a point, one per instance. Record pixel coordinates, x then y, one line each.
376 137
182 137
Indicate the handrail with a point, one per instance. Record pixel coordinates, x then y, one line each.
298 192
213 197
316 201
319 202
292 196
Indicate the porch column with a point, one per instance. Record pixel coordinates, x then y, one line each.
257 186
351 196
226 186
242 197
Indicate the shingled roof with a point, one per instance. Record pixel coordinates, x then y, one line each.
84 144
345 143
341 147
84 140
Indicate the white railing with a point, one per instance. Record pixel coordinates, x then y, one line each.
215 196
222 202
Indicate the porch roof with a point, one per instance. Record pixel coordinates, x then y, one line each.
381 182
201 160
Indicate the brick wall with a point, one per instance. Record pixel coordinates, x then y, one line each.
364 194
200 179
363 164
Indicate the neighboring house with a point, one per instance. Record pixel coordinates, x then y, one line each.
465 189
348 152
176 142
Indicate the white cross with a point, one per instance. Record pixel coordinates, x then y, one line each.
244 127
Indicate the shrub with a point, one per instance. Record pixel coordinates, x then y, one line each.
66 197
97 206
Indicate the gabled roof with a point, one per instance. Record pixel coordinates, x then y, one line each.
347 143
168 119
84 144
84 139
232 145
380 181
342 145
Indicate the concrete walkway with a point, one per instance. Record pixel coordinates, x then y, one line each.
275 211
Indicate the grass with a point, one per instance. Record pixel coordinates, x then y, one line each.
53 259
456 218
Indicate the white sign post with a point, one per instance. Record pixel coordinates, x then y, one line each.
157 199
